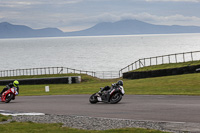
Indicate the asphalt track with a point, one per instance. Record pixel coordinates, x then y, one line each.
171 108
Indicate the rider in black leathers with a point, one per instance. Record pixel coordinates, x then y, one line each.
120 82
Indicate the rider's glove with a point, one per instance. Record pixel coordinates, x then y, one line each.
16 93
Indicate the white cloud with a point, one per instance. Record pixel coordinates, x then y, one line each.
23 3
83 22
176 19
12 4
58 2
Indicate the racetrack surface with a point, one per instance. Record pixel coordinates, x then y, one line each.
174 108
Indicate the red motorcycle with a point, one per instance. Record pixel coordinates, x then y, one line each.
8 95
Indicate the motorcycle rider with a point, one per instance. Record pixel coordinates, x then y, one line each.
119 83
15 84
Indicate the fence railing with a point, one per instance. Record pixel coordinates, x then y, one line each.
107 74
164 59
43 71
58 70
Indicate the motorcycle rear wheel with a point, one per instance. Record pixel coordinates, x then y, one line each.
93 99
115 98
9 97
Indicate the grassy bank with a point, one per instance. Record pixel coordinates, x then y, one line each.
187 84
4 118
168 66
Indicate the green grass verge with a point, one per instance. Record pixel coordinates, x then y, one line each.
167 66
88 85
187 84
30 127
4 118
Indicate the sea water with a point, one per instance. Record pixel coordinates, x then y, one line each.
91 53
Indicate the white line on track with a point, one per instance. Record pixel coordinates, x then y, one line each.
12 113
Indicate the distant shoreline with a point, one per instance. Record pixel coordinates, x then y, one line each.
101 36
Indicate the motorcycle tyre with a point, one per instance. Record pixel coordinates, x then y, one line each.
116 100
93 99
9 98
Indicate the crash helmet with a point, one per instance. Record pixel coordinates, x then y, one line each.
16 83
120 82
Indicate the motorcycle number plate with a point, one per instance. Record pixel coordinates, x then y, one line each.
99 99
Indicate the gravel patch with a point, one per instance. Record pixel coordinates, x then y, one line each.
95 123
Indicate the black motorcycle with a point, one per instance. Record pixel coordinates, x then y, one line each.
113 95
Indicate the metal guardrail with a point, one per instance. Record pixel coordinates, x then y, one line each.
107 74
58 70
157 60
43 71
164 59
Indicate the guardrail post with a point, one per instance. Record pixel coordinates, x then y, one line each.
183 57
61 70
150 61
156 60
135 65
191 56
176 57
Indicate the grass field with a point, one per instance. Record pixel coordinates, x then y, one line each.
168 66
187 84
4 118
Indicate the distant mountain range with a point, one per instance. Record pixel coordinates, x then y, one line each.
124 27
8 30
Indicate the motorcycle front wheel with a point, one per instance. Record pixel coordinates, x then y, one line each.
93 99
9 97
115 98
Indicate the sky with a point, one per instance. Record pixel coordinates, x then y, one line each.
75 15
